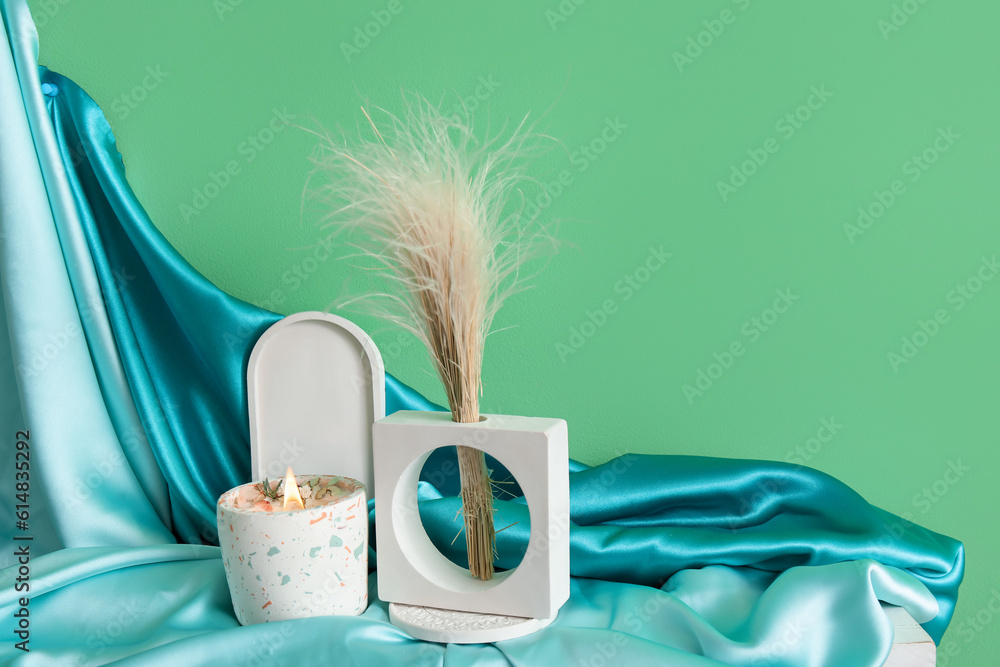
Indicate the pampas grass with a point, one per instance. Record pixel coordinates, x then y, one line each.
439 215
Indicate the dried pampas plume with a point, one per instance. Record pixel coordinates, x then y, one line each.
439 215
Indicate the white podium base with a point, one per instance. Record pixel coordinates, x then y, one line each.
912 646
459 627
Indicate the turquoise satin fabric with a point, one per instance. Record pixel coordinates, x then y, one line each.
128 369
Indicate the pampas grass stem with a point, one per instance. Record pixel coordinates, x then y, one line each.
437 213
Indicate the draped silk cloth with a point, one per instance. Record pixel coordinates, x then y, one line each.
126 368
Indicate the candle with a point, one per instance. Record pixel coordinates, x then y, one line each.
296 547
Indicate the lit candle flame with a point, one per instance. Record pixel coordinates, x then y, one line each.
293 501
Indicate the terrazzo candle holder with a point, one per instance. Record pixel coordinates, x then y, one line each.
300 562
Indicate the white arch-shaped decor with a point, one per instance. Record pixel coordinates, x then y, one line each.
315 384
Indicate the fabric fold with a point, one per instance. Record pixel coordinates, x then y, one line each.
75 449
169 604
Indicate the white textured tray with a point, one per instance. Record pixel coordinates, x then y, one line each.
315 384
461 627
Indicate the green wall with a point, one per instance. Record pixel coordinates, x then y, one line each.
865 348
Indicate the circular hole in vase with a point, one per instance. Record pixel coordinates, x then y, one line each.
439 492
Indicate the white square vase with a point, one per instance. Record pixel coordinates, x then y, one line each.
412 571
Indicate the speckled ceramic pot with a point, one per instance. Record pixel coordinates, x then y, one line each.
299 563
